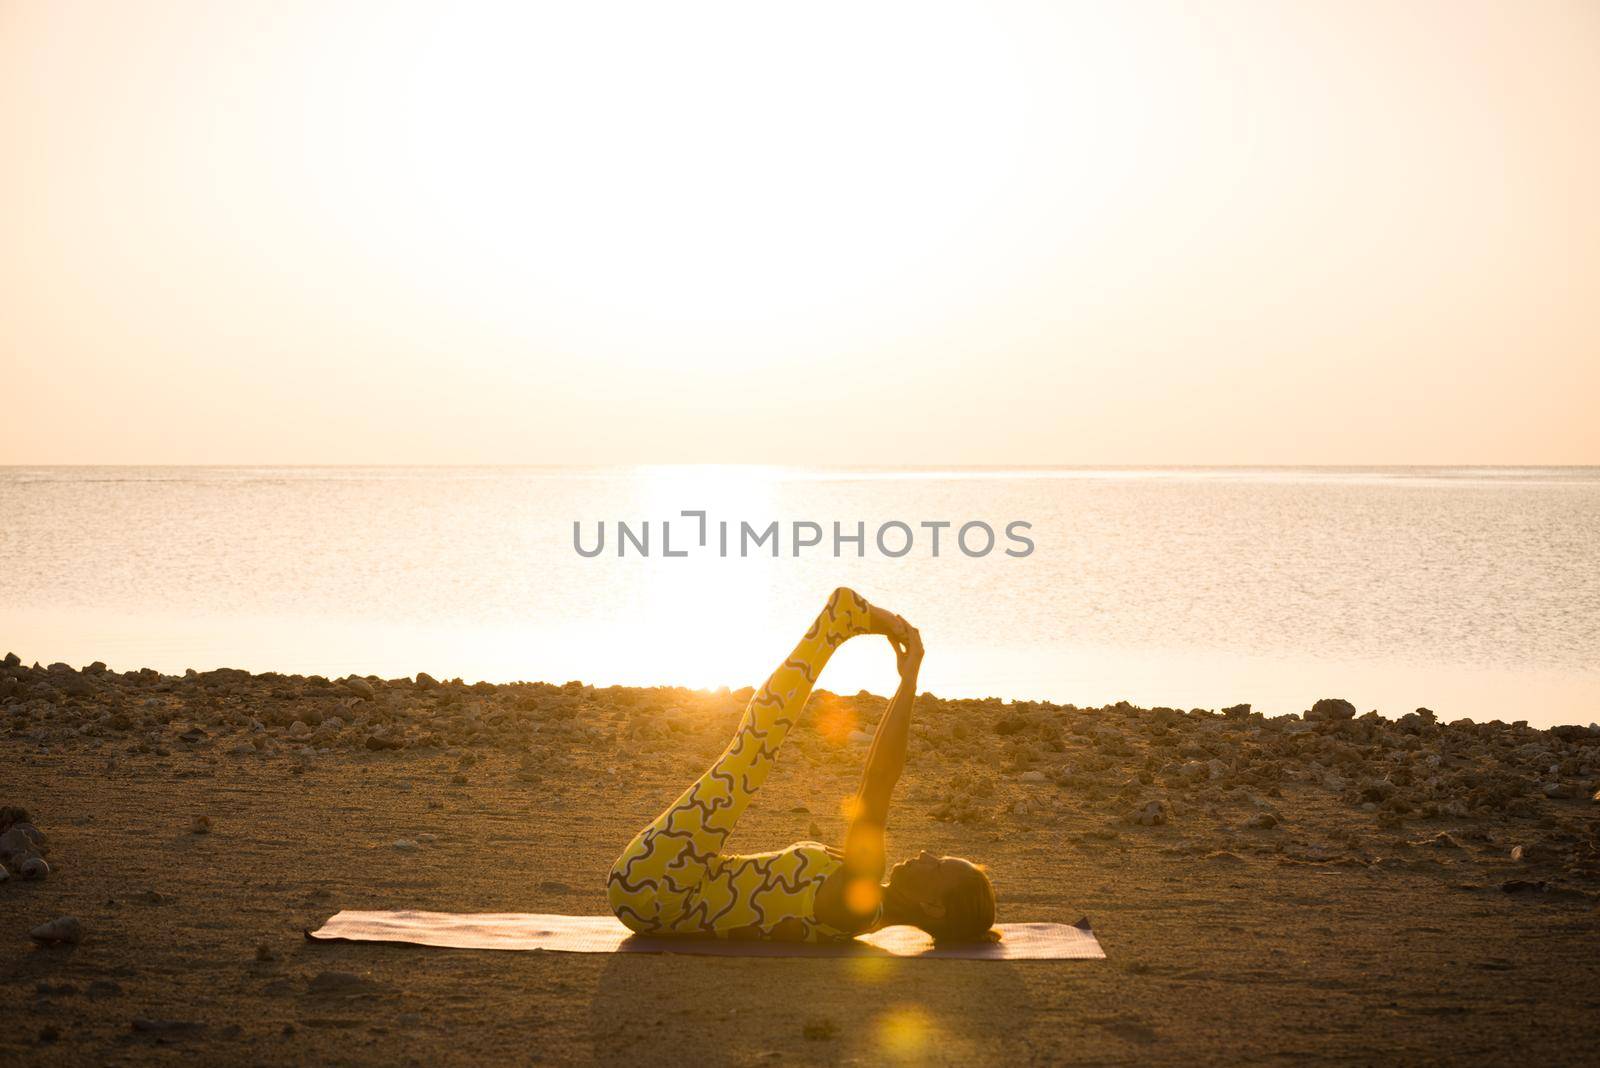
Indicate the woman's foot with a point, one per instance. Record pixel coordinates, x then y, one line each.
882 621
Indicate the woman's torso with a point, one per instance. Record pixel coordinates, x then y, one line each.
769 896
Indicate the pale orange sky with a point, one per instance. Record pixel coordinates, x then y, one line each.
1007 233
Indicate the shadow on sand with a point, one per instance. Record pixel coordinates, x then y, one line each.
651 1008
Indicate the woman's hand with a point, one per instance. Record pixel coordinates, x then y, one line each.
908 652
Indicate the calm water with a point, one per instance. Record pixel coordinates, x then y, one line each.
1474 591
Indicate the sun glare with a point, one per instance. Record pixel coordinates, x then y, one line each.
710 173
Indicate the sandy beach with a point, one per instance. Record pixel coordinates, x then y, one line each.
1335 886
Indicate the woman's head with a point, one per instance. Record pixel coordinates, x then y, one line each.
950 898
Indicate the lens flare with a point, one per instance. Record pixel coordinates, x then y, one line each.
862 895
834 719
905 1032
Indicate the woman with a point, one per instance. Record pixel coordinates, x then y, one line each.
674 878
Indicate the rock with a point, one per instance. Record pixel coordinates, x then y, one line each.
1331 708
299 729
264 953
1524 886
1442 840
200 825
34 868
193 736
1536 853
1193 771
1153 814
1377 791
1033 777
63 931
74 685
405 845
360 687
426 681
1261 821
377 742
22 840
1554 790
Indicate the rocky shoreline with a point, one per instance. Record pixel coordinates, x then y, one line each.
1330 886
1135 766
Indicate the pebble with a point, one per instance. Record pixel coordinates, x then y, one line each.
1033 777
405 845
34 868
201 825
63 931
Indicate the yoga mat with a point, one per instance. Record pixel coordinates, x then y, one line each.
606 934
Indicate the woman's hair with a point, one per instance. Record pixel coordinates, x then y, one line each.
968 911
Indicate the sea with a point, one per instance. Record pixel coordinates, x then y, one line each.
1471 591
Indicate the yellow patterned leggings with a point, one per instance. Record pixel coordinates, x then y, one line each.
674 878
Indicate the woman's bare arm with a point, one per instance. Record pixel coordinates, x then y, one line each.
851 900
886 759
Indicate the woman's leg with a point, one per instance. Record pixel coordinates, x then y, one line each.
651 881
